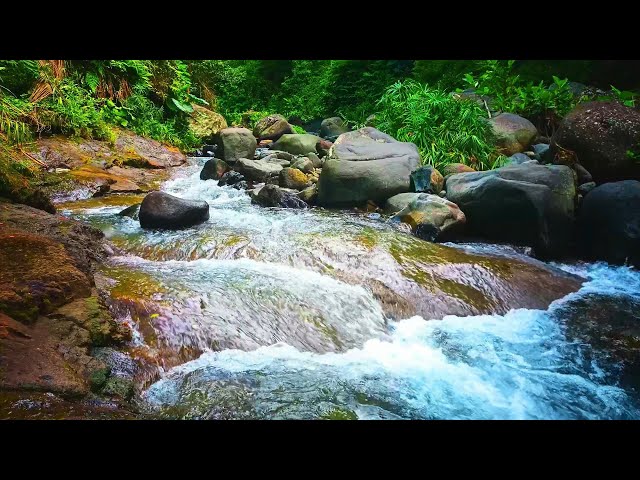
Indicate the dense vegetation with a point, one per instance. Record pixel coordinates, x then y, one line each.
413 100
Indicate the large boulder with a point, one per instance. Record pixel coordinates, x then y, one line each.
161 210
258 170
297 144
214 169
274 196
609 223
271 128
204 123
235 143
331 127
525 204
605 137
364 165
426 179
514 134
432 218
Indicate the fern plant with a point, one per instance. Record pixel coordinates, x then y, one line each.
445 129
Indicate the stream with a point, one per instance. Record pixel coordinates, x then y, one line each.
264 313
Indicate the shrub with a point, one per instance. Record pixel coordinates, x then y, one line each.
445 129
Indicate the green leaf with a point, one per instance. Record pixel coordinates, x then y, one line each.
184 107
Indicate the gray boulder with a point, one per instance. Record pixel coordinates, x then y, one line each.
235 143
257 170
297 144
364 165
432 218
332 127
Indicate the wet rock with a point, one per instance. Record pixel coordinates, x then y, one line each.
426 179
230 178
601 135
209 150
297 144
513 133
432 218
161 210
332 127
241 185
309 194
525 204
609 223
257 170
119 388
293 178
273 196
323 147
131 212
214 169
234 144
400 201
366 165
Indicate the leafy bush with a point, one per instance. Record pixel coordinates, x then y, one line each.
297 129
18 76
445 129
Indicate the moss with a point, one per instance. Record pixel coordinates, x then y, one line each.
118 387
98 378
339 414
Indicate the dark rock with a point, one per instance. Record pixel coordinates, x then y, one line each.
543 155
131 211
609 223
525 204
426 179
161 210
366 165
605 138
582 174
214 169
241 185
273 196
586 188
230 178
332 127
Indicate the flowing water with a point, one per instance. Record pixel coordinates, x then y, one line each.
277 313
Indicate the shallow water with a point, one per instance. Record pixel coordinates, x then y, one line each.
274 313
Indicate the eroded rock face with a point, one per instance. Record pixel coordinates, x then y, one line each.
366 165
161 210
609 223
526 204
601 135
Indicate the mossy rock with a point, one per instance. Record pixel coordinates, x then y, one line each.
118 387
205 123
98 378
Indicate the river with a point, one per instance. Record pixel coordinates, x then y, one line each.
304 314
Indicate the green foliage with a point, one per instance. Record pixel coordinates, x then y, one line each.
297 129
445 129
625 97
13 112
18 76
444 74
